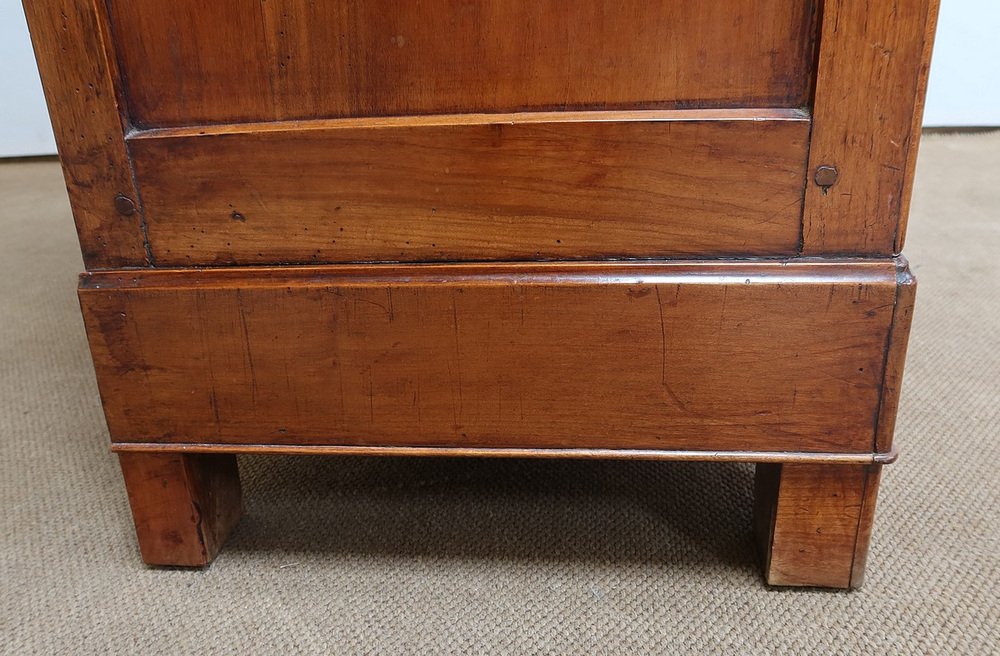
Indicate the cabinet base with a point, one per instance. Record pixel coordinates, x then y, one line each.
184 505
812 518
813 522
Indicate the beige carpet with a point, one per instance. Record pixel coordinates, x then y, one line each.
389 556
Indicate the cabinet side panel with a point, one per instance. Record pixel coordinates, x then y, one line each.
79 79
871 79
899 336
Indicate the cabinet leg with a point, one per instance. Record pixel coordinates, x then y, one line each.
813 522
184 505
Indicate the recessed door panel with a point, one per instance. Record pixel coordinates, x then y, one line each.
191 62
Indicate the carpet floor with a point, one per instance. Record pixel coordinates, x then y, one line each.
391 556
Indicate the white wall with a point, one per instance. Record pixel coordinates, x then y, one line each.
24 121
964 88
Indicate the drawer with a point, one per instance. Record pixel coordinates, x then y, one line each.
705 355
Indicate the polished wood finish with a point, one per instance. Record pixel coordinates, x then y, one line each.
189 62
663 455
899 337
80 81
917 118
813 522
521 187
451 151
873 63
184 505
713 356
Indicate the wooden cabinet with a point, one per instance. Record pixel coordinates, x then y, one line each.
654 229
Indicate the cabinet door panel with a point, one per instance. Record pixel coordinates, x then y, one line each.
528 186
189 61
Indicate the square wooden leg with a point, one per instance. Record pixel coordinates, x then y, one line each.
813 522
184 505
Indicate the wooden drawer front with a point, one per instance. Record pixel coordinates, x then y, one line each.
707 356
188 62
528 186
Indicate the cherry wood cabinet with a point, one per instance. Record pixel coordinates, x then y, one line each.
657 229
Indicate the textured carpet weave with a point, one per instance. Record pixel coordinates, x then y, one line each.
443 556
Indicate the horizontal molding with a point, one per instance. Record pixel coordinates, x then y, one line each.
515 118
698 272
604 454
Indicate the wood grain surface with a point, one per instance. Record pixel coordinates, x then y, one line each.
813 522
873 63
899 338
766 356
242 135
190 62
517 187
660 455
79 77
184 505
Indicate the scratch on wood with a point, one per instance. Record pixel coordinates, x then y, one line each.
458 357
246 344
417 397
371 396
212 396
288 388
663 338
384 308
343 409
663 350
140 343
213 399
